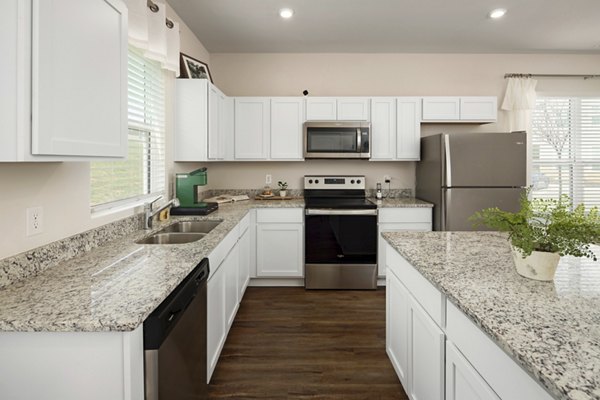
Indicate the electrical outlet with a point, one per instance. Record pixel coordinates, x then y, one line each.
268 179
35 221
387 178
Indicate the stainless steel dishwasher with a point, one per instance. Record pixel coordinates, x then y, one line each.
175 342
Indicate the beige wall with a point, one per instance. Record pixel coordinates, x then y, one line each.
63 189
380 75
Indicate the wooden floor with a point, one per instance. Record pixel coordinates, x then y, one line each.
289 343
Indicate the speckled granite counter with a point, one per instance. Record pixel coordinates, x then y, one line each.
113 287
401 202
551 328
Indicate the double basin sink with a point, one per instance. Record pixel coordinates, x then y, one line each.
181 232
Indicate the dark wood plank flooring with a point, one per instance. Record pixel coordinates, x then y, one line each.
297 344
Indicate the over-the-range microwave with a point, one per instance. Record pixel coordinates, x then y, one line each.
337 139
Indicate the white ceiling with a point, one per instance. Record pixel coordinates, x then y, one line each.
394 26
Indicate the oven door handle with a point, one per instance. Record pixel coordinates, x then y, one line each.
328 211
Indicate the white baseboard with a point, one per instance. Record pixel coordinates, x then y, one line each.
294 282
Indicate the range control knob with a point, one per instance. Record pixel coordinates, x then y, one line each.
310 181
316 181
352 181
358 181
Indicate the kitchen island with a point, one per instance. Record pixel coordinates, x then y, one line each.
550 329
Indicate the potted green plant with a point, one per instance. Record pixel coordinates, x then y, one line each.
282 188
542 231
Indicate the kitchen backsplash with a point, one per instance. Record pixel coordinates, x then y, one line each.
32 262
392 194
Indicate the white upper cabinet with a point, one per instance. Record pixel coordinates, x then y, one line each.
191 120
203 122
408 143
441 108
321 109
353 108
287 116
337 108
252 128
480 109
395 128
79 78
64 80
383 128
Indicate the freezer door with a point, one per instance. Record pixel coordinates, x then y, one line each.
485 159
460 204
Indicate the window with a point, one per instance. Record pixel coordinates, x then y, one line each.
143 173
566 149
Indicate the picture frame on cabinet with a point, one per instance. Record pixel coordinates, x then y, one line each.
191 68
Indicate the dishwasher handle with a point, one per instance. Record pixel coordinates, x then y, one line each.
164 318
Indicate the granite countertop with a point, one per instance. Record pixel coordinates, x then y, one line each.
114 287
401 202
552 329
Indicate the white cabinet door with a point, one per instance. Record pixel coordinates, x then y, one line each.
244 264
321 109
279 250
79 78
287 116
383 128
441 108
226 126
191 120
426 355
12 79
409 129
478 108
462 380
353 108
397 328
231 264
216 330
216 150
252 128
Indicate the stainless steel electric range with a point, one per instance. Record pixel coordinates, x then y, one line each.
340 238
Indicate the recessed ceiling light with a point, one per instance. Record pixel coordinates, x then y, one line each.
286 13
498 13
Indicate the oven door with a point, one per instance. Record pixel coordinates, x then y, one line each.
340 249
345 140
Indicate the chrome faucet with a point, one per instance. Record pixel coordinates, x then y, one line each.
149 214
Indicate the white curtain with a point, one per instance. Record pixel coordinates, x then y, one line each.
519 102
148 31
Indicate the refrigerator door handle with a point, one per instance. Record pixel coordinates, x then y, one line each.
444 210
448 160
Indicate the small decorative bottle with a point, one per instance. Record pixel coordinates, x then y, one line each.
379 195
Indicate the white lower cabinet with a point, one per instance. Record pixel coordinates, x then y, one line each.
216 318
414 343
279 243
426 355
231 266
462 380
244 265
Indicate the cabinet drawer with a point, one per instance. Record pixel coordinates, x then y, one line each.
416 215
281 215
500 371
431 299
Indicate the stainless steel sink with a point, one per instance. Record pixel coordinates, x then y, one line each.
191 226
172 238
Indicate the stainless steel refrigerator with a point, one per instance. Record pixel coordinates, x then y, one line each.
462 173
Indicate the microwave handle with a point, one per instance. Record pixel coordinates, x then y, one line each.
358 140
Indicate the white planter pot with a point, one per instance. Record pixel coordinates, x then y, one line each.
282 193
539 265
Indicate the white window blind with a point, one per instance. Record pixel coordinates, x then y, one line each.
143 172
566 149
